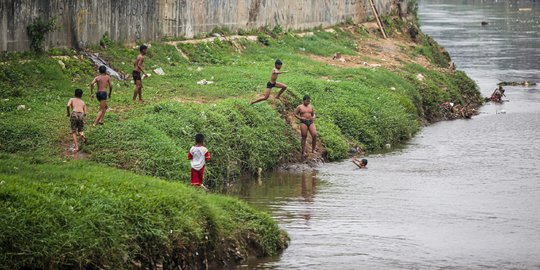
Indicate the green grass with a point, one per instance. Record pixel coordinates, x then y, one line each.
355 106
57 215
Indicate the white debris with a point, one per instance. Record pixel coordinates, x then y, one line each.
159 71
387 146
302 49
204 82
199 68
420 77
21 107
62 64
500 112
393 88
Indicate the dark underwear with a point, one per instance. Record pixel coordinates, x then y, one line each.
101 95
136 75
270 85
306 122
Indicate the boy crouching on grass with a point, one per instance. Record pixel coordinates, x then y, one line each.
198 155
76 118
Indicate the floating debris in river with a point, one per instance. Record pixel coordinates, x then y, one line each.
524 83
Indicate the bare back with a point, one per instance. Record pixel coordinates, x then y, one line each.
139 63
103 81
77 105
305 112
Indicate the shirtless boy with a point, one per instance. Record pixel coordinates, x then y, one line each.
76 117
103 81
137 70
306 114
273 83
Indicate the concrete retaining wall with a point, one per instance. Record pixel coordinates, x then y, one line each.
84 22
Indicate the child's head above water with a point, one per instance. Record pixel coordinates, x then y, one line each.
199 139
78 93
364 162
102 69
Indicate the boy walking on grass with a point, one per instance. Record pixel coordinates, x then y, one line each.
76 117
273 83
103 81
198 155
137 70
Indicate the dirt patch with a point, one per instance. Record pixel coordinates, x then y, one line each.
389 53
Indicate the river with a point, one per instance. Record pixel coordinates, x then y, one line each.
462 194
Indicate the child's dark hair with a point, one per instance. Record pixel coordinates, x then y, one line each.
306 97
102 69
78 93
278 62
143 47
199 138
364 161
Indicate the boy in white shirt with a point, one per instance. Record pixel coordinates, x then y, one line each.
198 155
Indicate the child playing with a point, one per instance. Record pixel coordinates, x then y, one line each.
362 164
76 117
198 155
273 83
103 81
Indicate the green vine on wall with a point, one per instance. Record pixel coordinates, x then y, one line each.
38 30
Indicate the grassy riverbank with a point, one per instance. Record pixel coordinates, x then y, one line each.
381 93
58 215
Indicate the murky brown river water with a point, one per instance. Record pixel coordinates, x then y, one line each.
461 195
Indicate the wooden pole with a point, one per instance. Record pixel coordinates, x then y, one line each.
379 22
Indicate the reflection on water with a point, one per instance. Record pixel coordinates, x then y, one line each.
461 195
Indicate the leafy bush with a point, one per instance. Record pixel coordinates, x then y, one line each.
37 31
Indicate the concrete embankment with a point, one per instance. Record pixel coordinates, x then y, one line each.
84 22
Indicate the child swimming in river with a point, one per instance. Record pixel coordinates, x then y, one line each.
362 164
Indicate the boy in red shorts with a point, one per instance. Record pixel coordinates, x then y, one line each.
198 155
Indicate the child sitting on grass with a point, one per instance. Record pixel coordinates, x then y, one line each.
76 118
198 155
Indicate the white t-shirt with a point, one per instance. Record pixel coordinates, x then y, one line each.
198 156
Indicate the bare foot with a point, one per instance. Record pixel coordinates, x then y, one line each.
94 124
141 101
84 139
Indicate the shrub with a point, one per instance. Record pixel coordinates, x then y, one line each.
38 30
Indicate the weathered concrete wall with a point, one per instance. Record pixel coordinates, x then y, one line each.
84 22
